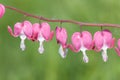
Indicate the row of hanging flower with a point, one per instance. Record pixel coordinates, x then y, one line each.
80 41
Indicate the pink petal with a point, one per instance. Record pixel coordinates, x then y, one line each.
17 29
112 43
36 29
61 35
72 48
117 51
76 40
45 29
98 40
118 43
51 35
107 37
27 29
11 32
87 39
2 10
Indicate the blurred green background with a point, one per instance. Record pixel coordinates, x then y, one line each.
30 65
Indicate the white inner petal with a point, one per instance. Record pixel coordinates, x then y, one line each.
63 52
104 52
22 43
41 48
85 57
83 49
104 55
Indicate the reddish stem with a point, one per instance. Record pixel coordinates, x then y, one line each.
61 21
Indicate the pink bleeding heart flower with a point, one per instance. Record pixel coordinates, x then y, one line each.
102 41
61 37
81 42
41 33
23 30
2 10
117 49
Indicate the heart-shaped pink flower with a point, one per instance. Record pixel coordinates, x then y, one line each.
23 30
2 10
61 37
41 32
102 41
81 42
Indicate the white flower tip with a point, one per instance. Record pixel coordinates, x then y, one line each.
63 52
22 43
85 59
22 46
22 49
104 56
63 56
41 49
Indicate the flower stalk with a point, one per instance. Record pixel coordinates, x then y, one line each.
63 21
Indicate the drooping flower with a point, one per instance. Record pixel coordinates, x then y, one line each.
22 30
2 10
41 32
102 41
117 49
81 42
61 37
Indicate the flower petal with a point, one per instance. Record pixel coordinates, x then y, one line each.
87 39
61 35
104 55
63 51
17 29
98 40
2 10
117 51
107 37
72 48
45 29
118 43
76 40
22 44
11 32
27 28
36 30
112 43
51 35
85 58
41 48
